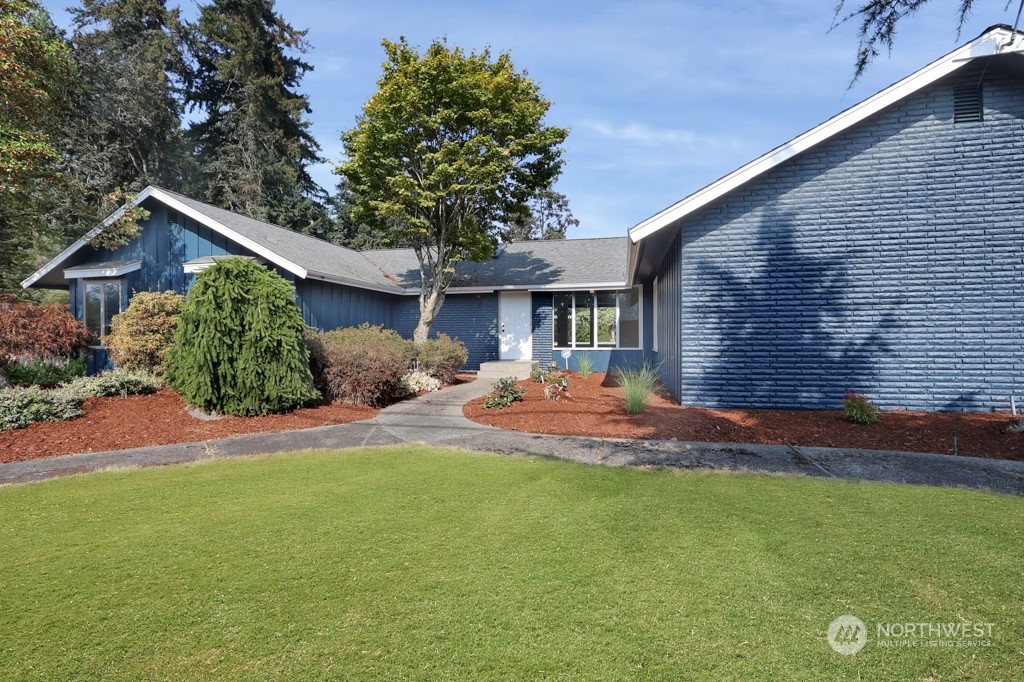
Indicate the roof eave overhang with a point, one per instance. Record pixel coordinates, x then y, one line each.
997 40
239 239
357 283
117 271
561 286
56 261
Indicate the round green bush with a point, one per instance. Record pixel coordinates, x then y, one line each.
141 337
239 346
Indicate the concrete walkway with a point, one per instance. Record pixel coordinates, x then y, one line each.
436 419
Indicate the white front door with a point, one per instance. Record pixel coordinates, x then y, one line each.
515 337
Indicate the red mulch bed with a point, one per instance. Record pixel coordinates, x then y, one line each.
595 409
157 419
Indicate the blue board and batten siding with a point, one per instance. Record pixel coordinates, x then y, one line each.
668 330
887 260
328 306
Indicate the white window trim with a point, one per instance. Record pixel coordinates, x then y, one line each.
572 332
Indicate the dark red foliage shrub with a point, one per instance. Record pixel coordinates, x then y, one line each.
33 332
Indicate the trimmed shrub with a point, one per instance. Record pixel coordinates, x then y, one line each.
19 407
46 373
362 365
141 337
37 332
239 347
858 409
442 358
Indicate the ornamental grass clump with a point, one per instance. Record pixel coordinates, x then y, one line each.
858 409
637 386
239 347
584 364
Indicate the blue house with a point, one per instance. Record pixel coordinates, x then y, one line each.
881 252
530 302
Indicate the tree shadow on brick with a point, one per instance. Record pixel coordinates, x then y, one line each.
782 329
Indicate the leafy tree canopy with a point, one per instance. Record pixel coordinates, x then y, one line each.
550 218
36 72
452 147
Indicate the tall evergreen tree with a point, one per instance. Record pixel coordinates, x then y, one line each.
254 148
126 133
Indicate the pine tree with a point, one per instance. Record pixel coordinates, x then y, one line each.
254 148
239 347
132 73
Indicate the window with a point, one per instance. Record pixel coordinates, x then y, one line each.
102 302
605 319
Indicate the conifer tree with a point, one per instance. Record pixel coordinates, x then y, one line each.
239 347
126 133
254 146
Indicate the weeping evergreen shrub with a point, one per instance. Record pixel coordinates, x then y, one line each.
239 345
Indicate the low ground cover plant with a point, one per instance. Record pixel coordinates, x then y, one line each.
637 386
20 406
504 394
239 347
420 382
46 373
141 337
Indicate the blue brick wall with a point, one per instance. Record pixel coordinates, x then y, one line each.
471 318
543 328
887 260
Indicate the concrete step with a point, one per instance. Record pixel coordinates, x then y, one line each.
520 369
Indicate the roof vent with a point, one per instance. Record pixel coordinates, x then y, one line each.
967 104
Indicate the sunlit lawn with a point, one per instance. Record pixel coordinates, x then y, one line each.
415 563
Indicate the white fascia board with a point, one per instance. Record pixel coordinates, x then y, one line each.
89 236
206 220
357 283
581 286
991 42
103 272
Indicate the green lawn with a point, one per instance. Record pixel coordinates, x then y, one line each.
414 563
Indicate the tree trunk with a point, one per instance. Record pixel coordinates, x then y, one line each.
430 303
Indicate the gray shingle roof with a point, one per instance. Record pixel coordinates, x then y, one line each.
555 263
316 256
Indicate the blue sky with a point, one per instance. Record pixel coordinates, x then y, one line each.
661 97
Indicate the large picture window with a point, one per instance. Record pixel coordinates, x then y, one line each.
102 302
605 319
